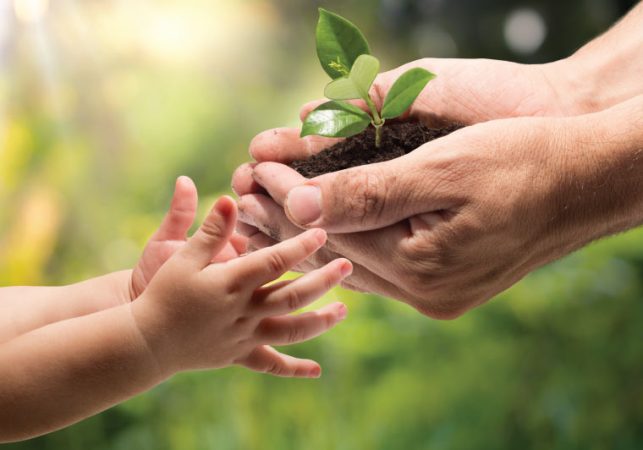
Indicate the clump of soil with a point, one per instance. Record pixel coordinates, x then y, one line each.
398 139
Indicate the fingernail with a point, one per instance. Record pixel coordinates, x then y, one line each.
315 373
304 204
346 269
342 312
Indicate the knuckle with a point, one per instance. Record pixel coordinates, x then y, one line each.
421 270
366 193
293 300
277 262
295 334
274 368
213 228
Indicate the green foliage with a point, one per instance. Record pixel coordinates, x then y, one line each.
344 54
555 363
358 82
404 92
335 119
339 43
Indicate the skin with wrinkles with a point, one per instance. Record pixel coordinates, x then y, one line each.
450 225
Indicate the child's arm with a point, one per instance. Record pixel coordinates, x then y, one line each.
25 308
194 315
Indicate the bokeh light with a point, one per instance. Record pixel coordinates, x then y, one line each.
103 103
30 11
525 30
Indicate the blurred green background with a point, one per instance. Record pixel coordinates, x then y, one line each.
104 102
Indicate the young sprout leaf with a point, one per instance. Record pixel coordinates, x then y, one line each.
358 82
363 73
404 92
339 44
341 89
335 119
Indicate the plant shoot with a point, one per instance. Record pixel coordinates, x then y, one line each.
345 56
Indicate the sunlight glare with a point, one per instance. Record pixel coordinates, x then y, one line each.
30 11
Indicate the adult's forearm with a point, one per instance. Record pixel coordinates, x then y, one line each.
606 71
601 174
64 372
25 308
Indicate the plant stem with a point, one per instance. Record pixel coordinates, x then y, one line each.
378 135
377 121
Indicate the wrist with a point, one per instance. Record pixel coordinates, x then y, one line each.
604 159
576 86
154 336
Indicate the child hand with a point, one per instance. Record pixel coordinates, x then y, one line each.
198 315
172 235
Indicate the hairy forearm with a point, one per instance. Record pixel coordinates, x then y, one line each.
606 71
25 308
64 372
601 173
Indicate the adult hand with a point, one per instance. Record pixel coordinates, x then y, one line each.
450 225
465 91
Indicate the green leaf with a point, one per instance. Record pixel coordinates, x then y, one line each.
335 119
339 44
404 92
341 89
363 73
358 83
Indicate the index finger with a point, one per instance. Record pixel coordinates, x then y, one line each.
284 145
262 266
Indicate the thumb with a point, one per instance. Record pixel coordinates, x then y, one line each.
213 235
362 198
180 216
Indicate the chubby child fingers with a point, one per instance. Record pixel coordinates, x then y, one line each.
235 247
181 214
213 235
240 243
267 264
286 330
266 359
303 291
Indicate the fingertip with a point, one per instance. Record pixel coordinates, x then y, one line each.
184 184
308 107
226 206
342 311
242 182
319 235
315 372
183 179
346 267
264 145
257 143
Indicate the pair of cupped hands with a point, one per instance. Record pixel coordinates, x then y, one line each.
455 222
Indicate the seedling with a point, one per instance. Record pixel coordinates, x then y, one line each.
346 57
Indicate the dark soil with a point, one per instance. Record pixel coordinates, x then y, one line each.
398 139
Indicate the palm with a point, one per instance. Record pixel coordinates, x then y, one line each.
155 254
475 90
